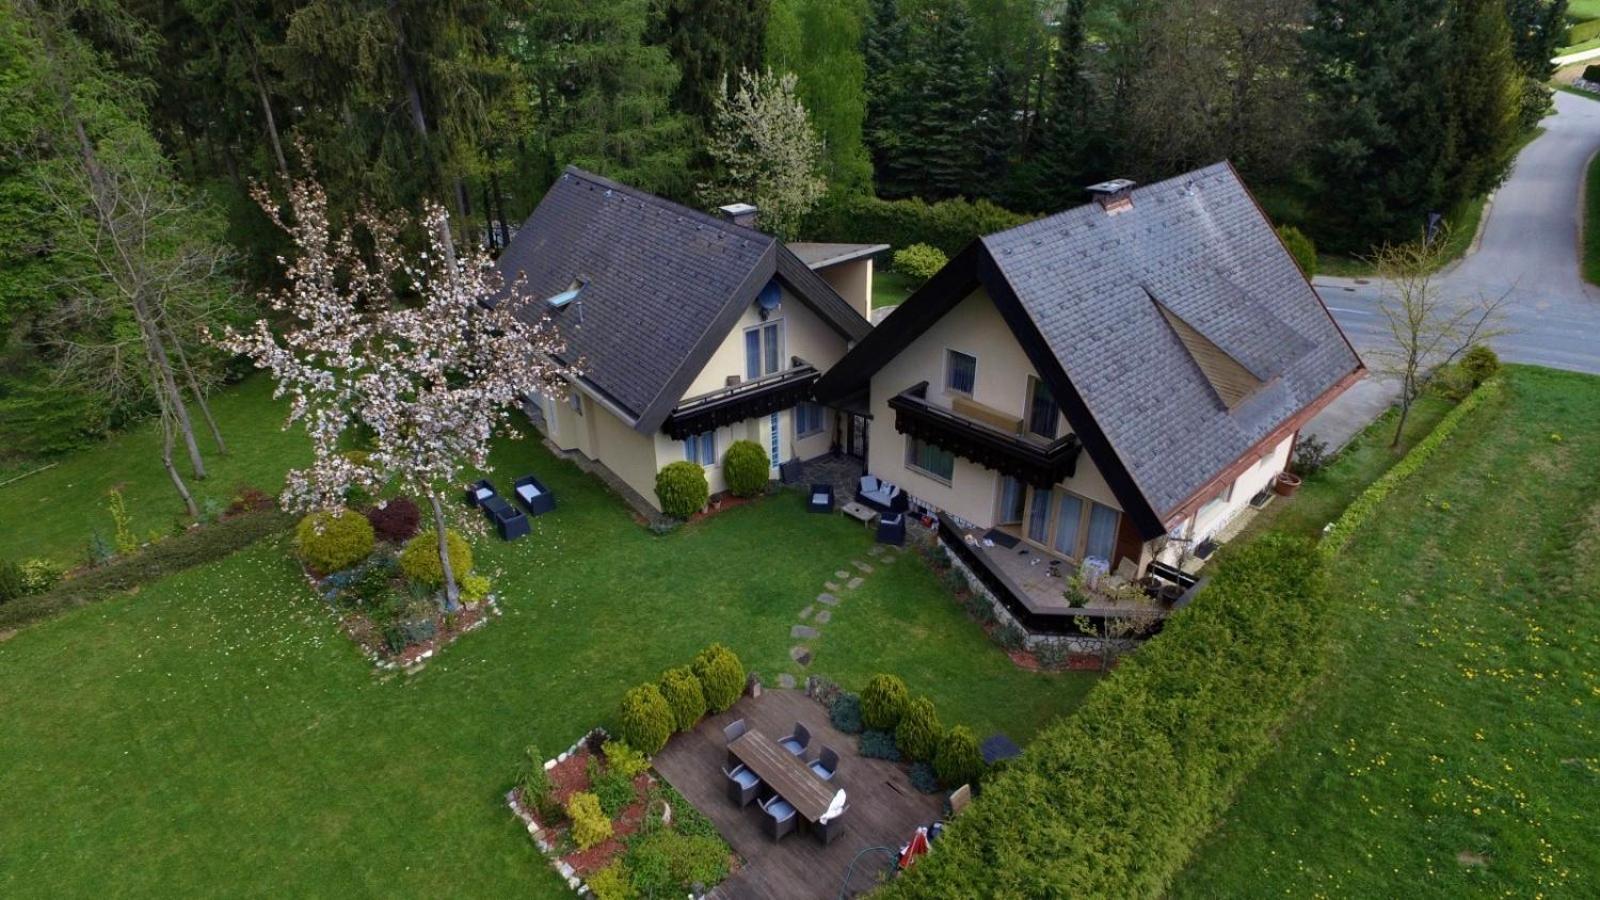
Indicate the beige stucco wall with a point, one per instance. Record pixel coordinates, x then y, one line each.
853 281
974 327
804 335
1249 483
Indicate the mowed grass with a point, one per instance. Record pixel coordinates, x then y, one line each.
890 288
214 734
1452 750
1591 221
51 514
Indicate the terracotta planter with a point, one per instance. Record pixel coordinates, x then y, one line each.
1287 484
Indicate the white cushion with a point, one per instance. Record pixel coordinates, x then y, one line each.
819 499
484 493
528 492
869 483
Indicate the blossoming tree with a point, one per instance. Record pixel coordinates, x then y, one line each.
403 348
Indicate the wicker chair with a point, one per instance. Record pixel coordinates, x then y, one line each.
732 732
797 742
780 817
826 765
743 785
827 831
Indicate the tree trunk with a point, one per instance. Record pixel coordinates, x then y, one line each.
199 394
452 591
419 123
172 470
261 91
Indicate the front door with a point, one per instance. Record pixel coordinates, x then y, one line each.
856 439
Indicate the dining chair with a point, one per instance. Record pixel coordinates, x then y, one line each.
827 763
743 785
780 817
797 742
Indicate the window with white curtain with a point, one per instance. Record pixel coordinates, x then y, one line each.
763 350
1069 524
1101 541
1039 516
701 448
1013 498
961 372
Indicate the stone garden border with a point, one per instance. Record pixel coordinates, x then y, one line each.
537 831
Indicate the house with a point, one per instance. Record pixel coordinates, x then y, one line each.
1110 384
690 331
847 268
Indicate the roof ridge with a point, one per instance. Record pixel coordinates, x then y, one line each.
663 204
1055 218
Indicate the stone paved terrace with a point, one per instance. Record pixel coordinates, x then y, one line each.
884 808
1030 571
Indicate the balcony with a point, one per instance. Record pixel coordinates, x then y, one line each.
992 441
739 402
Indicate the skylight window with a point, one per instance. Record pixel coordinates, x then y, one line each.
561 300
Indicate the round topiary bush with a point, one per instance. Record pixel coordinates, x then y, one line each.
1479 364
396 520
1300 247
684 695
333 541
645 720
883 702
920 261
419 561
681 489
721 676
746 469
958 761
919 731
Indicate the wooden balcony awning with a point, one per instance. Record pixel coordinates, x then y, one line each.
739 402
1024 456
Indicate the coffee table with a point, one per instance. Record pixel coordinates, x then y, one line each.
862 514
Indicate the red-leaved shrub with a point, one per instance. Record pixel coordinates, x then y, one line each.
395 521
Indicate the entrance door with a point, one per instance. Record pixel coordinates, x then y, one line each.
856 439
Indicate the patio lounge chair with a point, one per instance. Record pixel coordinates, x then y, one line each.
780 817
827 764
743 785
509 521
797 742
821 499
479 491
892 529
827 831
533 495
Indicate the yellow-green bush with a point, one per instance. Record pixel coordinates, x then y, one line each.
920 261
419 561
959 760
621 757
645 720
684 696
721 676
333 541
919 730
746 468
681 489
612 883
589 825
883 702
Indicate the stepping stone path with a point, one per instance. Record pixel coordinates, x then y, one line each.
819 615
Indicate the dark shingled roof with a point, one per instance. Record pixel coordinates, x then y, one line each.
1080 289
663 286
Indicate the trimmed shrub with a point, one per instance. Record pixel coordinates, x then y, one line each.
1480 364
474 587
1183 725
879 745
668 863
1534 102
625 759
612 883
39 575
920 261
11 586
845 713
645 720
684 695
883 702
589 825
1583 32
746 469
721 676
419 561
959 761
395 521
331 542
919 730
681 489
1301 248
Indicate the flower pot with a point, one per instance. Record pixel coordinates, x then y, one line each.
1287 484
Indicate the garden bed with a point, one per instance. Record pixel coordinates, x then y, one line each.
653 843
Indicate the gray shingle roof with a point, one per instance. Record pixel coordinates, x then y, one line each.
663 284
1199 245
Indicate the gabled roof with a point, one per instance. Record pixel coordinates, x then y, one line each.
662 286
821 255
1084 290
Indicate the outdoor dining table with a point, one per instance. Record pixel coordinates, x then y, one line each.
787 774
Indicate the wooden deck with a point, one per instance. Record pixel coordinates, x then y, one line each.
884 808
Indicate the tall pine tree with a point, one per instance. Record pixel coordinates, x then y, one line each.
1538 28
1485 98
928 128
710 39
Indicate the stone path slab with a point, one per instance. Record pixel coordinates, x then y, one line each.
806 613
865 569
853 583
830 586
841 574
800 655
824 617
804 632
786 681
829 599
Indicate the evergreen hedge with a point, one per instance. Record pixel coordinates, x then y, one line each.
419 559
333 541
883 702
721 676
949 225
645 721
681 489
589 823
746 469
919 730
1112 800
959 759
682 691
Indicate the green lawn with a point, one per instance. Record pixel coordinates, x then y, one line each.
1451 752
51 514
890 288
214 734
1591 222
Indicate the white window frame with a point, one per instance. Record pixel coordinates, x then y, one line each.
762 347
822 419
949 369
694 443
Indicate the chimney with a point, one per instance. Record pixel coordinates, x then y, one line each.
1114 196
741 214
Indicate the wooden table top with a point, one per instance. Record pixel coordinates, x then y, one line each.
785 773
858 512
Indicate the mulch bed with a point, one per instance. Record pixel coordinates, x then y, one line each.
361 629
571 776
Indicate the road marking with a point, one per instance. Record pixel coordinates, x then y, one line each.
1353 312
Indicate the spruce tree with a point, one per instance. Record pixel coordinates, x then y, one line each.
1074 146
1485 97
709 40
882 49
1380 78
932 108
1538 28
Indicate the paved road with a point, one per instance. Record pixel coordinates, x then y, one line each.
1529 250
